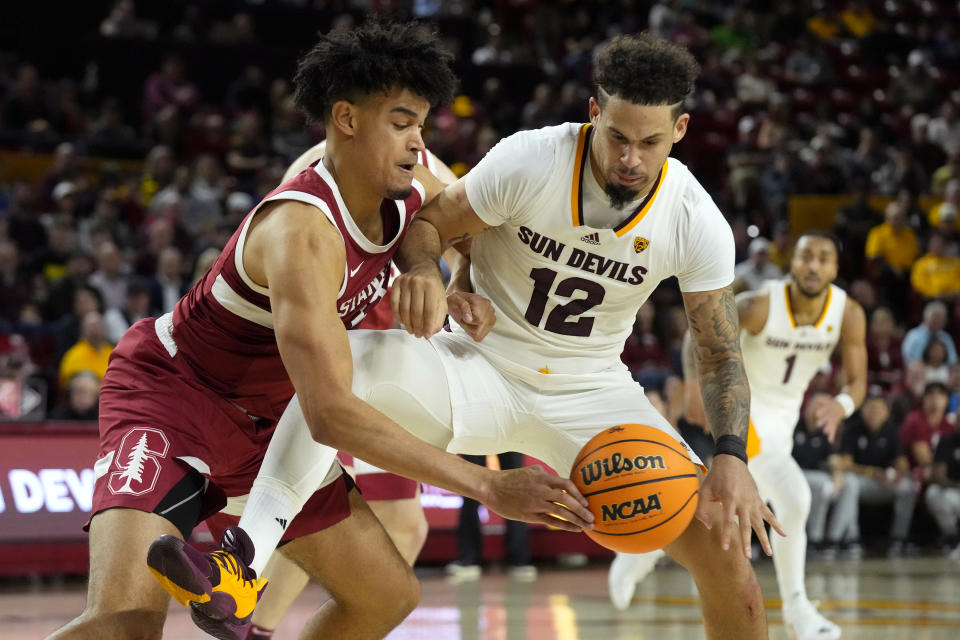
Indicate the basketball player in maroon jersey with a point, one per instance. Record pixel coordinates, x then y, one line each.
394 500
190 400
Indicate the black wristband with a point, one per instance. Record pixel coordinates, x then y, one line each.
732 446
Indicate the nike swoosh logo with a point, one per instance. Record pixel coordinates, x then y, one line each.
353 272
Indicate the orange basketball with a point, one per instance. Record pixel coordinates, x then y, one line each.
641 484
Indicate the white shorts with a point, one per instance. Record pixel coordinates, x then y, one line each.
773 428
447 391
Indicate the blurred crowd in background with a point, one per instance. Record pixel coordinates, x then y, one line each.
131 150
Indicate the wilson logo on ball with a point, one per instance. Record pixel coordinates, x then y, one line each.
617 464
627 510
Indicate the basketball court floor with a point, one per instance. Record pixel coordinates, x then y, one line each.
875 599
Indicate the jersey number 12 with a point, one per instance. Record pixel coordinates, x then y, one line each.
558 320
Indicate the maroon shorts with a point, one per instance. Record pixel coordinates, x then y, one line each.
380 485
157 426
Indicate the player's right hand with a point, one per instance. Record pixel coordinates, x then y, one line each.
419 300
729 482
473 312
530 494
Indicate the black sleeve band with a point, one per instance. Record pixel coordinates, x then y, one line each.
732 446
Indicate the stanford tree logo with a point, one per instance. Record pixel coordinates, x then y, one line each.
137 461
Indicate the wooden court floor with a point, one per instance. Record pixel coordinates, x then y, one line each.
875 599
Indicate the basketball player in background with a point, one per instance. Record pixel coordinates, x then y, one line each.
393 499
789 329
574 227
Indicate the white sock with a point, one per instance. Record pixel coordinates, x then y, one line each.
293 468
270 508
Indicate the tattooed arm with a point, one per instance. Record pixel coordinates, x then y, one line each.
715 329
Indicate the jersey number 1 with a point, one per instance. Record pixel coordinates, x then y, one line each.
557 320
790 360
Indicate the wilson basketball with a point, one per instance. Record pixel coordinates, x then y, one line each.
641 484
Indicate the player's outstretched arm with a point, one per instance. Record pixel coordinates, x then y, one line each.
831 412
715 328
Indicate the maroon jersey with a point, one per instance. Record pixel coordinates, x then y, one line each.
223 328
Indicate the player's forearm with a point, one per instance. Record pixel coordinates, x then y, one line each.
421 247
458 259
353 426
726 395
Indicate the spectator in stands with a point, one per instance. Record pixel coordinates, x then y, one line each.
757 268
806 64
25 108
867 157
168 90
167 285
929 154
753 86
900 171
249 152
932 327
122 22
871 450
157 172
819 173
943 494
829 487
935 365
944 130
852 226
65 169
946 211
60 300
891 249
935 274
61 244
858 20
884 355
136 306
16 284
745 162
23 221
109 134
82 402
91 351
924 427
950 172
110 277
106 219
914 88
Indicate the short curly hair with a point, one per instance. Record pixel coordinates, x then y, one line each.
645 70
377 57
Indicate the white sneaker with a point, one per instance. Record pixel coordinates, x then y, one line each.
804 622
463 572
626 571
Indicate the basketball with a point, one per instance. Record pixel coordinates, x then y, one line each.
641 485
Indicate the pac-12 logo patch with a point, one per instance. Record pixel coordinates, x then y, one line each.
640 243
138 461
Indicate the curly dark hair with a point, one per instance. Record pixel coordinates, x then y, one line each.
378 56
645 70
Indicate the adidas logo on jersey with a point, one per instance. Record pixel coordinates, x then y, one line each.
282 522
591 238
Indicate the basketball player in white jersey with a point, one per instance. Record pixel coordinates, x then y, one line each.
789 329
574 227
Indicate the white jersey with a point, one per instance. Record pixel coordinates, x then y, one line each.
565 293
782 359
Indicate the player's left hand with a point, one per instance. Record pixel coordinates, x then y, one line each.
419 300
729 482
829 415
473 312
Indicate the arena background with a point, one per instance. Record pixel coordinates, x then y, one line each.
134 136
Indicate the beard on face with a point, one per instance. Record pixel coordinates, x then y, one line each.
400 194
619 195
806 293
